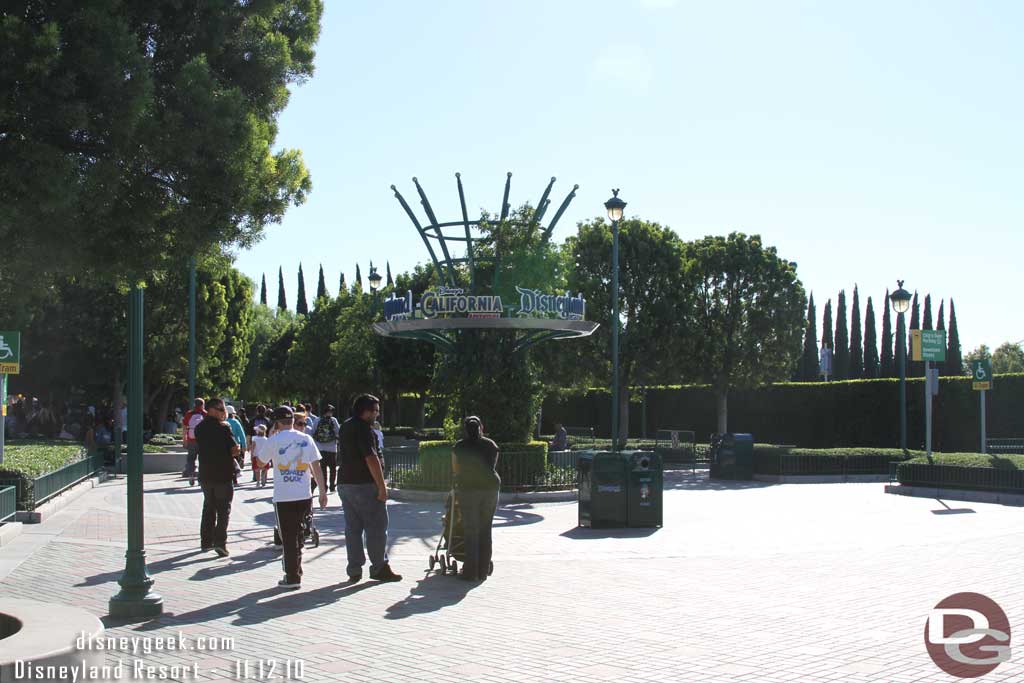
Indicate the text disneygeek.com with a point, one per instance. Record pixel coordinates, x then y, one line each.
136 669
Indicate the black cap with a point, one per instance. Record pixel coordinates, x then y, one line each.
283 413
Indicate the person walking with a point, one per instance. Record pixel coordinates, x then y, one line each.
238 432
260 456
261 420
363 493
326 436
296 458
189 424
474 465
217 452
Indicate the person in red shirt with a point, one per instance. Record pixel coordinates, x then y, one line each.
189 424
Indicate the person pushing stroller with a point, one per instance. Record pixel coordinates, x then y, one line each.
474 466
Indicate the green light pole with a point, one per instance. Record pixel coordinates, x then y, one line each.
615 207
901 304
191 331
135 598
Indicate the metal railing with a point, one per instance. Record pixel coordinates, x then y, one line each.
1005 446
518 471
31 493
956 477
8 502
678 447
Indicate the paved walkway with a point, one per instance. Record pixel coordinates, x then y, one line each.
746 582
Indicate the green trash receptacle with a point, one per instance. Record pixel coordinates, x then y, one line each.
602 492
734 458
646 488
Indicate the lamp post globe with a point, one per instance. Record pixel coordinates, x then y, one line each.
375 280
900 299
615 208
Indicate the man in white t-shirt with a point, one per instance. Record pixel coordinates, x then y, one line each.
295 457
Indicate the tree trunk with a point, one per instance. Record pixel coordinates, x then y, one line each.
165 409
421 418
397 421
722 409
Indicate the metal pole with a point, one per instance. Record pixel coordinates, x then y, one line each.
135 598
191 331
928 408
3 413
984 441
901 357
615 335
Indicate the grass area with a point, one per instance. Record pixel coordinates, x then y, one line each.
152 448
165 440
37 457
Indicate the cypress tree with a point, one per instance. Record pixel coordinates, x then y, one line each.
282 303
887 365
941 325
390 281
300 304
856 369
914 368
263 289
809 359
927 323
341 284
826 327
870 343
321 286
842 357
954 361
358 287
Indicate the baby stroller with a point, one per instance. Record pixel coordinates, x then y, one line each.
451 547
309 531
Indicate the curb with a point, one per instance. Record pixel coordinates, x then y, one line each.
821 478
61 500
995 497
415 496
8 532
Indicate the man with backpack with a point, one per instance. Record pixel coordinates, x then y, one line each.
192 420
326 436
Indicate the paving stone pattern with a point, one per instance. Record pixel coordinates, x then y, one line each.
746 582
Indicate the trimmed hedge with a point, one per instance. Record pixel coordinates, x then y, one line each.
778 460
25 461
971 471
812 415
519 464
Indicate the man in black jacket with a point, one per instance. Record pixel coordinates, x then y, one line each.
217 452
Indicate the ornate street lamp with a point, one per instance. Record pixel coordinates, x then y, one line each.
375 279
615 207
901 304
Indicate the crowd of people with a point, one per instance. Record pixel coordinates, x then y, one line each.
309 455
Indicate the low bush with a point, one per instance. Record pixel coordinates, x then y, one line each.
164 440
783 460
970 471
25 461
519 464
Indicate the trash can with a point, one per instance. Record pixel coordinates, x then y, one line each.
646 486
734 457
603 491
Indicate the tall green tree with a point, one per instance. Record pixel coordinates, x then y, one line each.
358 286
263 289
342 288
301 307
926 323
856 357
954 362
282 301
809 359
1008 357
826 327
887 364
842 358
266 378
390 281
980 353
748 315
654 301
145 124
321 285
941 325
870 343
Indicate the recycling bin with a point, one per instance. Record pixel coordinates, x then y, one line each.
734 457
646 488
603 493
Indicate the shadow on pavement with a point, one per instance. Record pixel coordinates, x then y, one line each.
586 534
299 601
433 592
184 559
951 511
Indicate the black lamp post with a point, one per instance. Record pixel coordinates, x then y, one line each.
615 207
901 304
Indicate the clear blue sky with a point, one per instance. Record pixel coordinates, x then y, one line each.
867 141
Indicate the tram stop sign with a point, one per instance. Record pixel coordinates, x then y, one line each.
10 352
981 374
